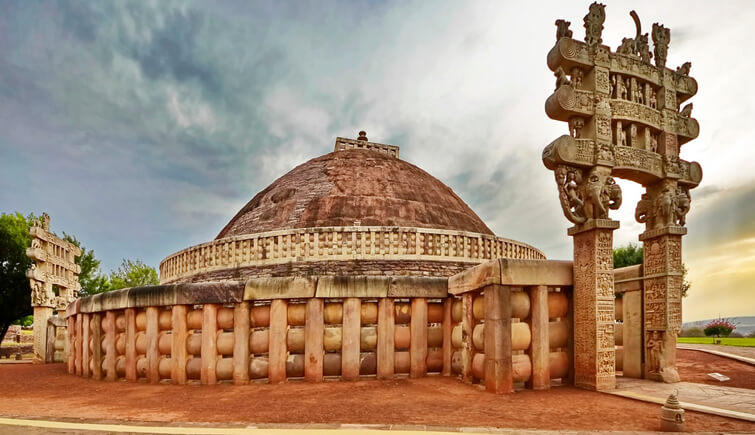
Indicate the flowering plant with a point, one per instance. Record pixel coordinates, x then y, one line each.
719 327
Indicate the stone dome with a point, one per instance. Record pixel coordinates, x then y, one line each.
355 187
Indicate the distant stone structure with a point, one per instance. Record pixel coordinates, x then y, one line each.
54 281
624 121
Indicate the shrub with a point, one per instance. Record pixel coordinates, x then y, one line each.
692 331
736 335
719 328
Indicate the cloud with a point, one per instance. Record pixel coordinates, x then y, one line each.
143 126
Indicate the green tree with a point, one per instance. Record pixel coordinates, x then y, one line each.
632 254
628 255
15 291
133 274
92 280
685 284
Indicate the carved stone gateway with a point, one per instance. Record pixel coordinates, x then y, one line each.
624 121
54 280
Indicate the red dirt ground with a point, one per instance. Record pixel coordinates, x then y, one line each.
694 366
49 392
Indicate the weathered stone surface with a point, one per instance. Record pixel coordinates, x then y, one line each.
351 187
624 120
162 295
352 287
423 287
512 272
397 267
279 288
628 278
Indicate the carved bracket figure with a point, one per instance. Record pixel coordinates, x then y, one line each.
583 198
594 23
684 69
561 78
562 29
661 39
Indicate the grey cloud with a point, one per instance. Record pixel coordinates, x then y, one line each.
728 215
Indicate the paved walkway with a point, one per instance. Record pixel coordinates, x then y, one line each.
9 426
739 353
712 399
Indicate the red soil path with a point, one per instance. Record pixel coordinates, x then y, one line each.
694 366
49 392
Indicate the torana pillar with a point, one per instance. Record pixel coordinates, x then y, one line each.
594 354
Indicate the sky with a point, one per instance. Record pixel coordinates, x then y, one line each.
143 127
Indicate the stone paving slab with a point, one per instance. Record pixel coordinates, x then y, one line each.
739 353
724 401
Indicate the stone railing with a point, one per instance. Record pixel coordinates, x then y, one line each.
340 243
270 329
501 323
345 144
514 324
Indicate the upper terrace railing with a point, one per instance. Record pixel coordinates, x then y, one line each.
341 243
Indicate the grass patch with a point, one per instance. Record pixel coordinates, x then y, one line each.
744 342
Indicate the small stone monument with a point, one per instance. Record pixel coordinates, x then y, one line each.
672 415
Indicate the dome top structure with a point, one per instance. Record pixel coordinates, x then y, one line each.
359 184
358 211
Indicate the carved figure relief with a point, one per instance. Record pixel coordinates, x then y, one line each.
605 152
682 206
637 46
561 78
576 77
568 180
686 111
594 20
633 134
562 29
661 39
576 123
653 101
654 352
644 211
610 196
666 206
684 69
623 92
40 296
644 49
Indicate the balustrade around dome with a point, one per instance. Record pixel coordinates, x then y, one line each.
340 243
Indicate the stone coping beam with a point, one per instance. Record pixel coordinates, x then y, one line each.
627 279
504 271
231 292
